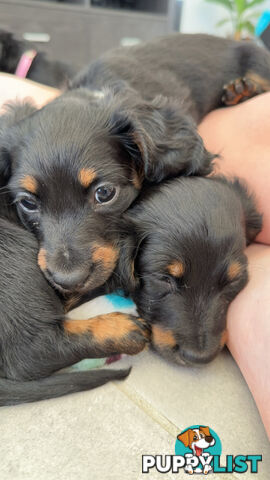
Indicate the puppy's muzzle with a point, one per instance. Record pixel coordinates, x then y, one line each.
68 281
194 357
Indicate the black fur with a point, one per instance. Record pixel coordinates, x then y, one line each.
42 70
34 341
205 224
139 131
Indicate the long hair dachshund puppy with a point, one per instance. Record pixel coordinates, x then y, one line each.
190 262
36 338
77 164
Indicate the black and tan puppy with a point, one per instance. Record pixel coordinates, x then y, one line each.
42 70
35 337
191 264
77 164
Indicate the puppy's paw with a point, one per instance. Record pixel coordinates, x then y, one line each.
137 337
111 333
239 90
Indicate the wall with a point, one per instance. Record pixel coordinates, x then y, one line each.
201 16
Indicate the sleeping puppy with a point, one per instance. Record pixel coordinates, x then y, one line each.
77 164
190 263
35 337
42 70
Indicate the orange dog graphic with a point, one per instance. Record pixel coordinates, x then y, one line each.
197 439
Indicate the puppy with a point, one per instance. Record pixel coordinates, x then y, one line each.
190 262
76 165
35 337
14 52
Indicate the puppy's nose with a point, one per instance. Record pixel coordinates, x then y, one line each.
70 280
196 357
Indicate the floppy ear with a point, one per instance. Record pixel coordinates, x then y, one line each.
126 264
15 112
206 431
186 437
162 140
252 218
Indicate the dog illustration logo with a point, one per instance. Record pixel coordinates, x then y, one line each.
198 451
196 440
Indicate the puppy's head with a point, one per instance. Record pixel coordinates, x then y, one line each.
77 164
191 263
9 52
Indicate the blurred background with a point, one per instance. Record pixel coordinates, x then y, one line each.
79 31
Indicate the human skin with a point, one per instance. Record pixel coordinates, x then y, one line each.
13 88
240 135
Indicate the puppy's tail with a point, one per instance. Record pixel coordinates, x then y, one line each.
14 392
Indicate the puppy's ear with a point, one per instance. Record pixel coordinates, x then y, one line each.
253 219
186 437
126 263
15 112
162 140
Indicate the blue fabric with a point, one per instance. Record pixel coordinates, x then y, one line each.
119 301
263 23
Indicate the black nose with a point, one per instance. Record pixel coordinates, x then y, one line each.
197 357
70 280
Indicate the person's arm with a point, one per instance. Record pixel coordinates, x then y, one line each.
13 88
241 135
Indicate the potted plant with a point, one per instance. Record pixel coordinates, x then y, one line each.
242 15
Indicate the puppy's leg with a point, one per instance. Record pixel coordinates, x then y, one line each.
106 335
62 345
242 89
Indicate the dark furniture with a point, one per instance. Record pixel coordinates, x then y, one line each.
78 32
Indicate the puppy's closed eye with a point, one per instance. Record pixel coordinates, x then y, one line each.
163 285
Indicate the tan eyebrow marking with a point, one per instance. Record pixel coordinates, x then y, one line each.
42 259
86 176
234 270
29 183
176 269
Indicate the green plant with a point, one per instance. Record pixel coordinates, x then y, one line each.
241 15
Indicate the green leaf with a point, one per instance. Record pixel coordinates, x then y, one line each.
225 3
240 6
246 25
222 22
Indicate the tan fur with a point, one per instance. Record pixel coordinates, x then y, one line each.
42 263
162 338
112 326
29 183
234 270
86 176
263 82
107 255
176 269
